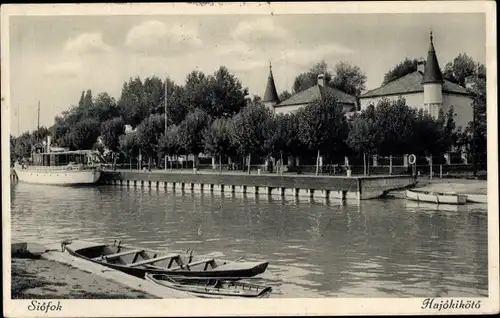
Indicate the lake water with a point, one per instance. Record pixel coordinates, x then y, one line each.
376 248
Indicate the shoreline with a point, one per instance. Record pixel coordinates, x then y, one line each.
47 279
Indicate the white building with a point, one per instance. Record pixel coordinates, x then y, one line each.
425 89
305 97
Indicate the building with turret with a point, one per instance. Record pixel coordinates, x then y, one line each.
425 89
270 95
305 97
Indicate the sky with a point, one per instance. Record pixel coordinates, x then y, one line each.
54 58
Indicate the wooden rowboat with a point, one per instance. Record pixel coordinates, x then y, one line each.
211 288
436 197
477 198
138 262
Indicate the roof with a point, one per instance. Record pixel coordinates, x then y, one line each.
271 95
412 83
432 72
317 92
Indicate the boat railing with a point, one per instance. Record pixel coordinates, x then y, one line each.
61 168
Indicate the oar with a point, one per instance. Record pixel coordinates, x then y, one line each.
238 259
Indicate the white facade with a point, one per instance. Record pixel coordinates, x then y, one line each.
288 109
414 100
295 108
462 104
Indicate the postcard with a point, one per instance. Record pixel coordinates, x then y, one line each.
215 159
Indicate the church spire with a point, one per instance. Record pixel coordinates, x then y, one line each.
432 72
271 95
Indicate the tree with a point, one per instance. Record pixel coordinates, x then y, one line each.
149 132
322 127
41 133
176 106
22 145
84 134
87 100
310 78
216 140
154 92
111 130
284 95
191 132
403 68
393 124
81 101
226 94
349 78
362 134
104 107
282 139
462 67
276 142
249 130
196 92
427 135
449 135
169 143
132 103
478 145
129 145
12 150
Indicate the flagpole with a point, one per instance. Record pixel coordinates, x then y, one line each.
38 124
166 118
474 164
18 131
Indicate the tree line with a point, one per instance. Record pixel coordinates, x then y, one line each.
213 114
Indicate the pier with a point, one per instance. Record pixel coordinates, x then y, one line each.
329 187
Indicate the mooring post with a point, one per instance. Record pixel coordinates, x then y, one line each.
430 164
390 164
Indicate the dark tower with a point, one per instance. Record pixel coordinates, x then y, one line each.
271 95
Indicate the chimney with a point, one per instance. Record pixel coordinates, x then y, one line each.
321 80
421 66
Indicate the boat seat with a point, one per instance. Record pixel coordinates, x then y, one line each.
207 260
202 261
111 257
153 260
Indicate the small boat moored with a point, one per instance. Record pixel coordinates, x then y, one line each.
477 198
436 197
211 288
139 261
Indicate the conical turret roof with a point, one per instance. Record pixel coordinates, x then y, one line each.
270 95
432 72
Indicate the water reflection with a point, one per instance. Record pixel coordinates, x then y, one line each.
317 248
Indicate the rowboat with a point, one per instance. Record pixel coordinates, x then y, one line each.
139 261
477 198
436 197
211 288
